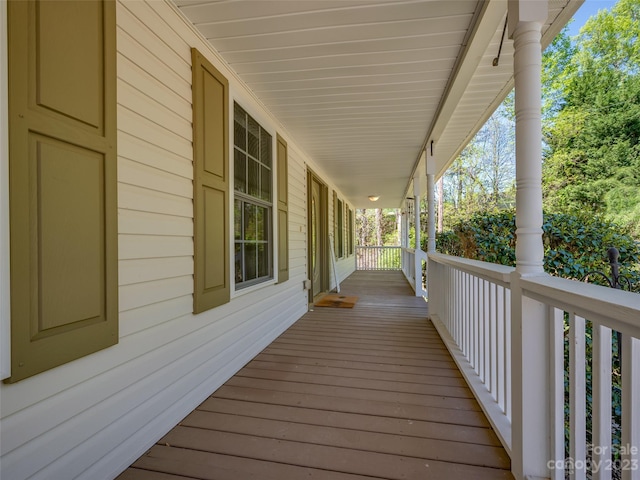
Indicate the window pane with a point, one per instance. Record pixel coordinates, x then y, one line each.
260 223
263 260
265 148
265 184
237 217
254 180
252 139
239 276
250 261
250 221
240 171
265 226
240 128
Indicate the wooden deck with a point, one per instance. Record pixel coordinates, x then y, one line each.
344 394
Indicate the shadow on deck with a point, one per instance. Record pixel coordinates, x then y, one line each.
344 394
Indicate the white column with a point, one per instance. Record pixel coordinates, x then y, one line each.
405 220
531 447
525 29
417 258
416 209
431 199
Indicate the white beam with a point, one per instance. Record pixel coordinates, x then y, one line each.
431 198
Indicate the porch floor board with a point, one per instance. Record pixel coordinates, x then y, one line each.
344 394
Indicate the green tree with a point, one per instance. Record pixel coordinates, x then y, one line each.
377 227
592 118
482 177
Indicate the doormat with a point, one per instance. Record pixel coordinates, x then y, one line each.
337 300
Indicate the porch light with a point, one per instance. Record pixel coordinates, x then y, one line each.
374 198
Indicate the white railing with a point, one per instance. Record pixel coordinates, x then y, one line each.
582 310
474 306
378 258
470 305
409 264
412 261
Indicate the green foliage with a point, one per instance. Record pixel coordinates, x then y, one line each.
377 227
482 177
591 86
574 245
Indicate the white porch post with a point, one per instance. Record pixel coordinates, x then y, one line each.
405 225
431 200
416 209
417 271
531 448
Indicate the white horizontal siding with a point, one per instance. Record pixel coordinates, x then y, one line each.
92 417
132 148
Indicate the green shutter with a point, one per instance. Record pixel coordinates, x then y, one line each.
283 211
336 232
62 182
210 184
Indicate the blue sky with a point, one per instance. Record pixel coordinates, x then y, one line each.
588 8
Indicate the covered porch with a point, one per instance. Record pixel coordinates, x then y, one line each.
368 392
374 99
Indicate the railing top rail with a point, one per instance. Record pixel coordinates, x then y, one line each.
613 308
499 274
379 246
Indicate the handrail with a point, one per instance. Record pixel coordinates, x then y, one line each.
616 309
488 271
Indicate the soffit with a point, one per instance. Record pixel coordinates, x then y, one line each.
359 84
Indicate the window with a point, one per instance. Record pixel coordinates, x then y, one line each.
253 200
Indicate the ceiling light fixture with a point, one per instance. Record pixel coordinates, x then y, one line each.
374 198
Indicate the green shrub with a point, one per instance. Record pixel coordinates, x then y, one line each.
574 245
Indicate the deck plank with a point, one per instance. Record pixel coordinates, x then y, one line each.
344 394
353 405
455 381
354 421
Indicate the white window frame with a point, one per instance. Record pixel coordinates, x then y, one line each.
251 285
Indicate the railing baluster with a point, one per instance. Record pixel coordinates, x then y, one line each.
493 342
477 322
501 344
467 316
456 307
485 326
473 319
601 402
507 354
577 395
630 458
556 331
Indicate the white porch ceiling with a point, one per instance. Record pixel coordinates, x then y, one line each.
364 85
